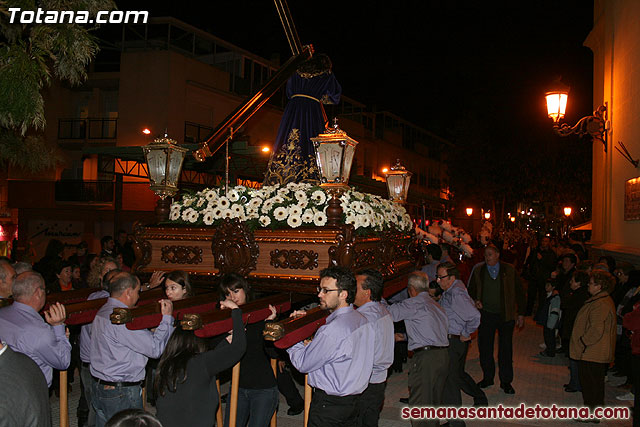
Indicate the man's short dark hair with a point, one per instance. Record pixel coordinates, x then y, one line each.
435 251
373 282
133 418
345 280
105 240
581 277
451 268
493 247
121 282
572 257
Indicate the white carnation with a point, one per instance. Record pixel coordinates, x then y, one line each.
318 197
226 213
264 220
294 221
208 217
280 213
233 195
320 219
175 214
295 210
255 202
224 202
307 216
186 214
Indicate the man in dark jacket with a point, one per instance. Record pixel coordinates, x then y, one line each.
543 262
24 396
497 291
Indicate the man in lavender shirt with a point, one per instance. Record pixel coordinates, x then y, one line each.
23 329
109 270
464 319
339 359
427 325
368 295
118 355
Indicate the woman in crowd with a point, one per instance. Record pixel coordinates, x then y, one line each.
62 282
593 338
185 383
258 390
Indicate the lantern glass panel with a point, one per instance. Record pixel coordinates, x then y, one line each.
556 105
157 161
330 160
173 170
350 150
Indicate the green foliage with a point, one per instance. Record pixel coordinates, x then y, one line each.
30 56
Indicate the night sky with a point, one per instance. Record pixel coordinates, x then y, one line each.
431 62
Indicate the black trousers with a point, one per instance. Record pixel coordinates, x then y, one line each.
592 382
370 404
427 374
288 389
549 336
337 411
489 324
458 379
535 293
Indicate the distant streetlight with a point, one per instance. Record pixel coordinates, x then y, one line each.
469 211
146 131
513 219
487 216
265 149
567 211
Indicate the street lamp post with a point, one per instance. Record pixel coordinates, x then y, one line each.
469 211
595 125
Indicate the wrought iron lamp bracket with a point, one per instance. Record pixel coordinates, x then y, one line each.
595 126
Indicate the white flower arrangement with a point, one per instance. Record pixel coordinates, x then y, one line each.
294 205
444 232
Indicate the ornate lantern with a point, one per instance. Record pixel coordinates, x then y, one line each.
164 161
334 155
398 182
469 211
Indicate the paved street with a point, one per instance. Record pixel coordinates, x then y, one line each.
537 380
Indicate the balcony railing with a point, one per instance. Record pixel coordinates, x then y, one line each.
79 191
87 129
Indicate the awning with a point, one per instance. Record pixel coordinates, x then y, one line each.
582 227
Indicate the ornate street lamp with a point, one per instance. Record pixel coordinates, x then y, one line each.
398 179
164 161
567 211
595 125
469 211
487 216
334 156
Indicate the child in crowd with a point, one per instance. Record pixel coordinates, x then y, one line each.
549 318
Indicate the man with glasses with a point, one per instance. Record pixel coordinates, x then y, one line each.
427 326
339 359
464 319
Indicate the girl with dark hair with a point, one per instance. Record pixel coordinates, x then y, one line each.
258 390
177 286
185 383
